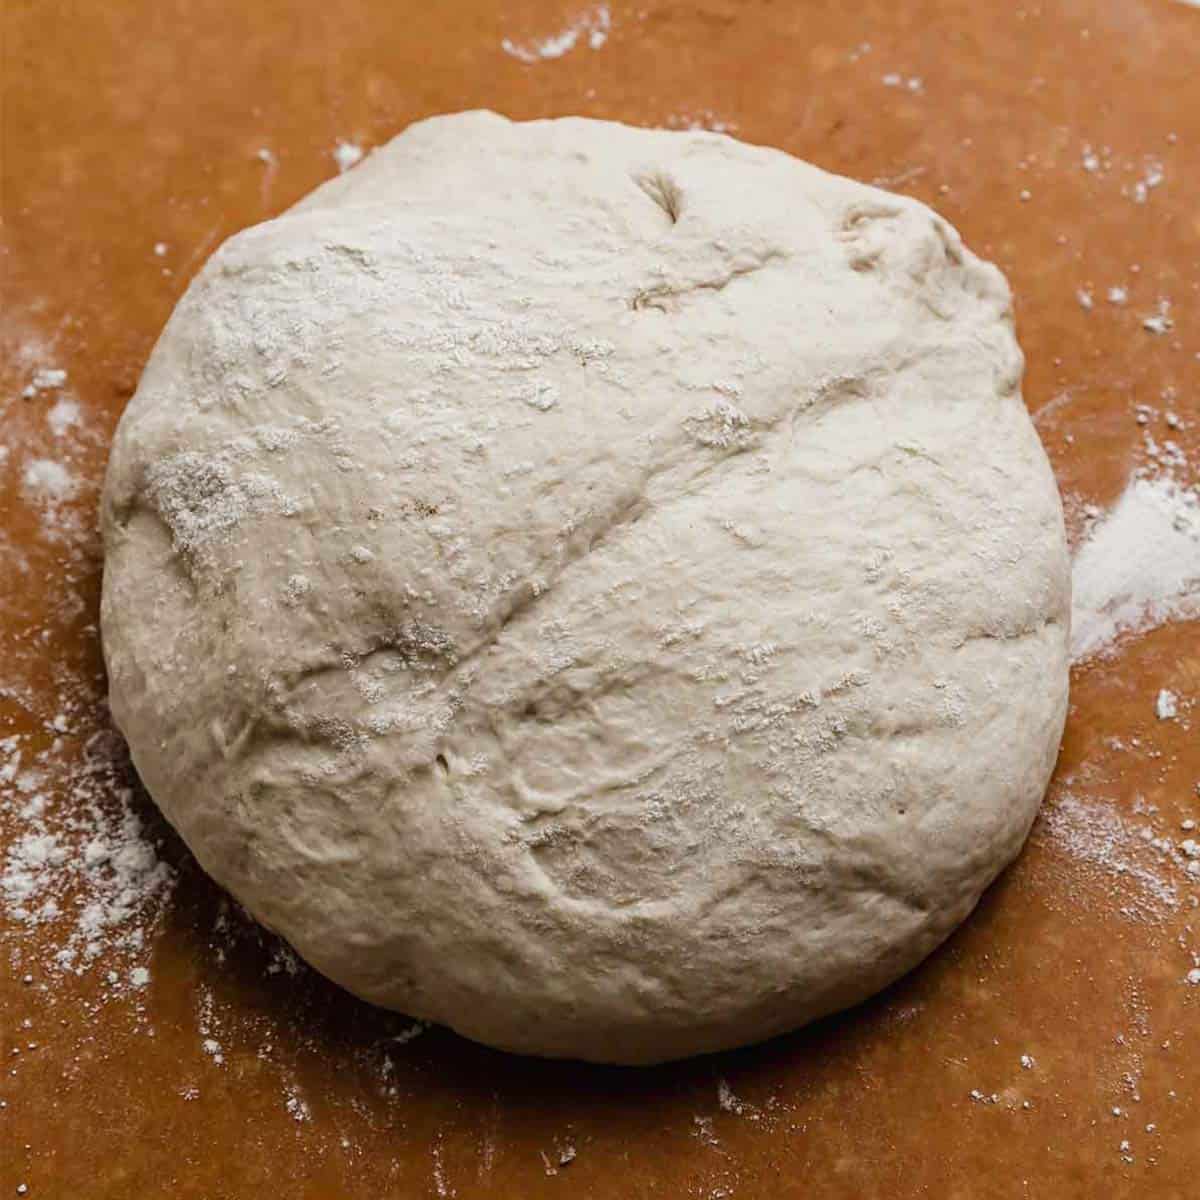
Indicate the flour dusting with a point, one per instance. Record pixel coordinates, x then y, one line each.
46 481
591 27
84 863
703 119
45 379
63 417
346 154
82 883
1100 839
1138 568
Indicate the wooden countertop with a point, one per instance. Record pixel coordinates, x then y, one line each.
228 1071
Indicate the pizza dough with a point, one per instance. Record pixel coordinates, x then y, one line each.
596 588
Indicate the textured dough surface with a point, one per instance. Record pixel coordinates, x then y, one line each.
596 588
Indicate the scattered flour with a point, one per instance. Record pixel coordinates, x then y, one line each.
1166 707
1138 568
81 880
297 1108
46 379
1160 322
592 25
47 481
564 1155
1153 176
731 1103
63 417
1099 838
912 83
407 1035
705 119
82 862
346 154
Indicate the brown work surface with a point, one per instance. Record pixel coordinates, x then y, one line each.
231 1072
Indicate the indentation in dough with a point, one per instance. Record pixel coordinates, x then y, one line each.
828 395
866 230
663 190
665 296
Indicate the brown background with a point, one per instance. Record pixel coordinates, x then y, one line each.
138 121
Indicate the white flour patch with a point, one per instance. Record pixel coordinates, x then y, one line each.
346 154
45 441
45 379
591 27
297 1108
913 83
407 1035
270 163
48 482
79 860
1138 568
63 417
81 881
1160 322
1152 178
731 1103
702 119
1097 837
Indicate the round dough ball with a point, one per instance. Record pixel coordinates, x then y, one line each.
595 588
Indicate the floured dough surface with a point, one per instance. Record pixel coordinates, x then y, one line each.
596 588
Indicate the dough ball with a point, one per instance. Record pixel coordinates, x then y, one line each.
595 588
